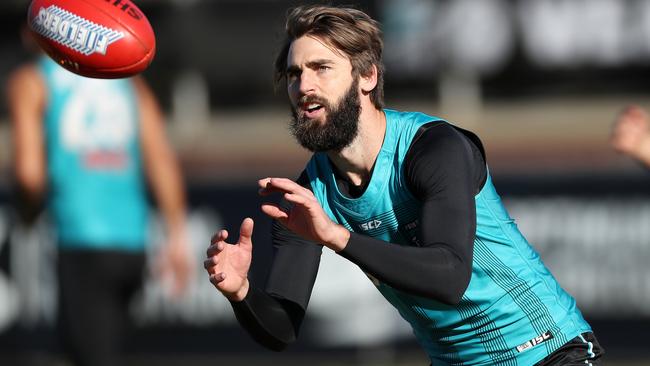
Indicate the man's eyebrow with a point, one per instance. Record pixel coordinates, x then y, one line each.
310 64
292 69
318 62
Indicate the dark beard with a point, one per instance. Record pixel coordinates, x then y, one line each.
340 128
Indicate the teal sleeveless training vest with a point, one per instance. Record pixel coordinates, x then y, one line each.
513 313
97 194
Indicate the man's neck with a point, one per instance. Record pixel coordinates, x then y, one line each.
356 161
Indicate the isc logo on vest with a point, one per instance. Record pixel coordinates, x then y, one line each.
374 224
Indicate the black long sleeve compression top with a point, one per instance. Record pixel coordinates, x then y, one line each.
444 169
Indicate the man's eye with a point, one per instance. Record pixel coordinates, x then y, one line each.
292 75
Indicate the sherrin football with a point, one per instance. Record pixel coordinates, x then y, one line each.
95 38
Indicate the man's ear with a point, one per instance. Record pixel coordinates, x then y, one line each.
368 82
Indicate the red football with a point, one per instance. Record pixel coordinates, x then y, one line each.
94 38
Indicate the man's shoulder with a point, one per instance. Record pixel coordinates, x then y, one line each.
438 137
411 116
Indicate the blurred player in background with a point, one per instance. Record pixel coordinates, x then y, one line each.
408 198
631 134
86 147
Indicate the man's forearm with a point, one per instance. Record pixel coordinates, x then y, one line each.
435 272
271 324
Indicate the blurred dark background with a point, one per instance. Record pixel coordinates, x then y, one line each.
540 81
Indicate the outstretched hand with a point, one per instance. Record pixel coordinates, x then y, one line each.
305 217
631 133
228 264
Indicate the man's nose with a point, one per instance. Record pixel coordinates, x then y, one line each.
307 82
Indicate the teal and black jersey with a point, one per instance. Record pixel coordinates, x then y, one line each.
512 313
97 192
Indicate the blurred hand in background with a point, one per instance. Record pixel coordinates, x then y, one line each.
631 134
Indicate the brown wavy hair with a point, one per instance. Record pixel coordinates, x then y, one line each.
349 30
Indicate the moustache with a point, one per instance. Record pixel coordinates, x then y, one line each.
308 99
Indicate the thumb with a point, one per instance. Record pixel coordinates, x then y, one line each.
246 232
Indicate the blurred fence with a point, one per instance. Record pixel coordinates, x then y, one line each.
456 51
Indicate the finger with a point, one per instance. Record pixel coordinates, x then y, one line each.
634 114
215 249
298 199
274 185
274 211
217 278
210 263
266 191
284 184
246 232
633 109
266 188
221 235
263 182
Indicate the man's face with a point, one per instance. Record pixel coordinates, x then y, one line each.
324 96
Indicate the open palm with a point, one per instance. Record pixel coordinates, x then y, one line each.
228 264
305 216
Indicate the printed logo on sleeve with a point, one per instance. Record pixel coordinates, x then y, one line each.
535 341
